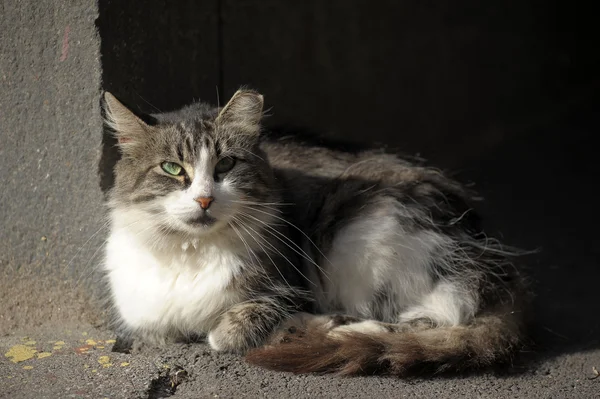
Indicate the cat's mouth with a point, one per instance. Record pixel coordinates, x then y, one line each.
203 220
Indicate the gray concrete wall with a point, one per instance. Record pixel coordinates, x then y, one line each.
49 149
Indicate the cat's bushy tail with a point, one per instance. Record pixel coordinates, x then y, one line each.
489 339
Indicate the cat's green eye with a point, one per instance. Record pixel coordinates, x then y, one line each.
172 168
225 165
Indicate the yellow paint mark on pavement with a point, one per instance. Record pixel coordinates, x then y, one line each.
111 341
27 367
30 343
124 364
91 342
105 361
42 355
84 333
100 347
20 353
58 345
94 371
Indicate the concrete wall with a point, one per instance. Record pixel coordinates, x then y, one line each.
49 149
50 123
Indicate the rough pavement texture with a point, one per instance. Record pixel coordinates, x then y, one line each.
71 371
538 183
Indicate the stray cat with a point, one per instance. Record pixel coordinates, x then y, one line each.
304 257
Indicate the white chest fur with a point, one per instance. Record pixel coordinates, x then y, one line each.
182 290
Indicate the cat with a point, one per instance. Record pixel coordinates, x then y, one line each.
302 256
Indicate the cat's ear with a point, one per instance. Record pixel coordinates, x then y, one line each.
244 108
128 127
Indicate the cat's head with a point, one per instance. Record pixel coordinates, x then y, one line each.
191 171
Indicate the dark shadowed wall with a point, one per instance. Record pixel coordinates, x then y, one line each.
448 79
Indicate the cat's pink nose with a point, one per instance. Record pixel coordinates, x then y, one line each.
204 201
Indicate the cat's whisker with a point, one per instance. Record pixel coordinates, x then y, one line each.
161 226
246 202
92 269
249 152
147 102
251 254
280 236
295 227
265 252
104 225
84 276
283 256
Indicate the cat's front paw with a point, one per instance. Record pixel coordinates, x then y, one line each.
222 341
243 327
229 338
